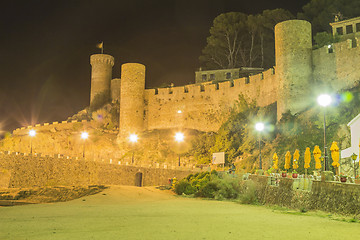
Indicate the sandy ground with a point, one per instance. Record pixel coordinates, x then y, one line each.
123 212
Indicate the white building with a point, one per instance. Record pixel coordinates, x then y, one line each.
355 137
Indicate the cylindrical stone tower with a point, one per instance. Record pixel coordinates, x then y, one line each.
101 74
132 94
293 54
115 89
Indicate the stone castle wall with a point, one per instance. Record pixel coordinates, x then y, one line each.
337 67
205 107
37 171
293 84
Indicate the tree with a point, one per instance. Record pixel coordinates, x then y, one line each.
225 40
240 40
322 12
324 38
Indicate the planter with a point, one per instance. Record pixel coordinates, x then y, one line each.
283 174
294 175
343 179
357 181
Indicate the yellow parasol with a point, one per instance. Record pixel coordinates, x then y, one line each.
335 154
287 160
296 159
307 158
275 158
317 155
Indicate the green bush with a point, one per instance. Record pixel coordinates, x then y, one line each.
229 188
248 194
184 187
208 190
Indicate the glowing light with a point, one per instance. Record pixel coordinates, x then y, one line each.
347 97
84 135
32 133
179 137
133 138
179 111
329 46
259 126
324 100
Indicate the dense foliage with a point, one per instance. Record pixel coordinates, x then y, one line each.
239 141
324 38
236 136
322 12
217 186
240 40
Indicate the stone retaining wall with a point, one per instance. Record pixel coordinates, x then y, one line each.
37 171
332 197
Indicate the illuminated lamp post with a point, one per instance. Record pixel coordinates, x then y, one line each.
32 134
179 137
354 157
133 138
84 136
259 127
324 100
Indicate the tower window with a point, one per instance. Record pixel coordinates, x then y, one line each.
349 29
339 30
228 75
358 27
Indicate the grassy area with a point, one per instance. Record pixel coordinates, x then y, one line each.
123 212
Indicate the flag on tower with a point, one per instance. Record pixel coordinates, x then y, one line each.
101 46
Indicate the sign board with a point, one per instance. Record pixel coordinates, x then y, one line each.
218 158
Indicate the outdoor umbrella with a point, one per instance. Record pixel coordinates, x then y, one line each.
287 160
275 162
296 159
307 159
335 154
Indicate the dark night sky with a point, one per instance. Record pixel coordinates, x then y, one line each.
45 47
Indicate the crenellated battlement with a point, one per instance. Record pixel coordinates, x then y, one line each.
204 106
39 126
209 87
102 59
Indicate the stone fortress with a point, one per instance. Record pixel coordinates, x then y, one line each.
204 106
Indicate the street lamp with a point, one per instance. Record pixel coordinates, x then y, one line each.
354 157
32 134
324 100
179 137
259 127
133 138
84 136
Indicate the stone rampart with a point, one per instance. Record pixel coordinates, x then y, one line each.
37 171
337 66
62 124
205 107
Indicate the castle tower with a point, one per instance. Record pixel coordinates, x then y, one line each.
101 74
132 94
115 89
293 54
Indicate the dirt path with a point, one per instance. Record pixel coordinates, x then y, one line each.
123 212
